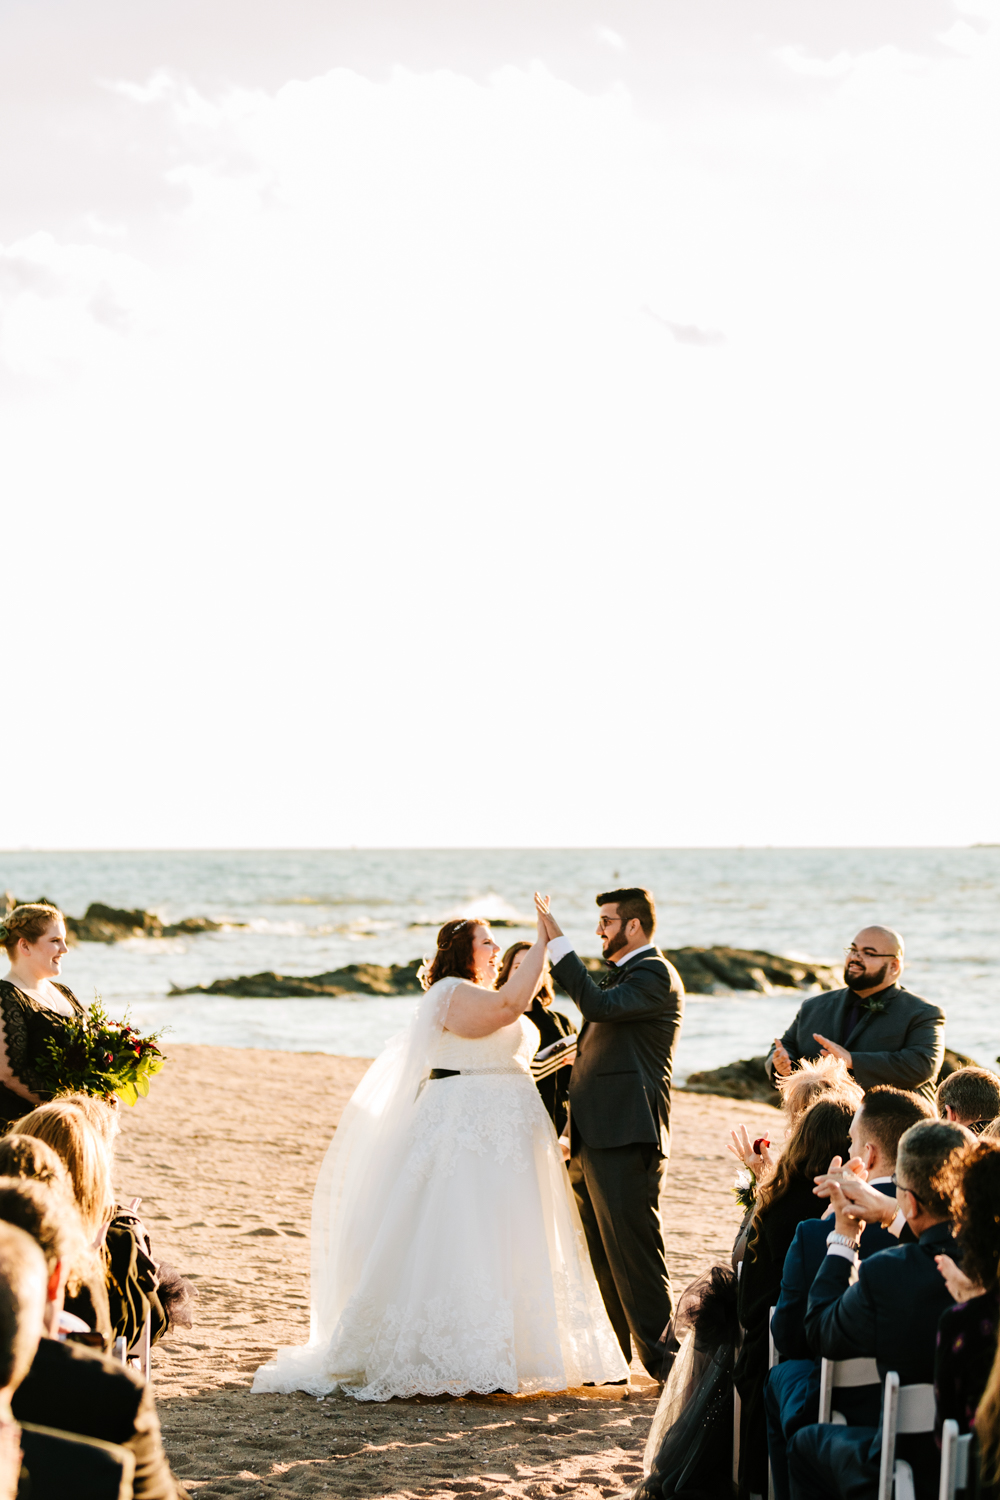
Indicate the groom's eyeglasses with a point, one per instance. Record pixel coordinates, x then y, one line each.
603 923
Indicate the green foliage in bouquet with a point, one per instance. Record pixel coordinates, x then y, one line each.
98 1056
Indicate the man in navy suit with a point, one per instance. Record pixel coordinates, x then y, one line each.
791 1396
890 1314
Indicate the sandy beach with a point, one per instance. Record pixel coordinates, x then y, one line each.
224 1155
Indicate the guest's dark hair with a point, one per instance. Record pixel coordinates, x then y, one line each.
632 901
972 1182
822 1133
46 1214
454 952
29 921
974 1095
924 1159
23 1278
888 1113
546 994
24 1156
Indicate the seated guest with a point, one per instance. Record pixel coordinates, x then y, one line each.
137 1283
66 1132
791 1396
71 1388
785 1199
23 1278
809 1082
967 1333
970 1096
26 1156
882 1032
890 1314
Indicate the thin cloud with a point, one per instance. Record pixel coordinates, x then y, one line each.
610 38
689 333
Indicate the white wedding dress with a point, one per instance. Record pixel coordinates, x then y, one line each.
448 1254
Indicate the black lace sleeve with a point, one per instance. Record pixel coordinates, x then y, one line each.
26 1028
15 1027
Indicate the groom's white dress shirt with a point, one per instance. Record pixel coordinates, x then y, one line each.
560 946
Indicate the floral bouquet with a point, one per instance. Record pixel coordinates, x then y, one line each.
98 1056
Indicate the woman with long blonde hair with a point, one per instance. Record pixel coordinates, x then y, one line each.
65 1128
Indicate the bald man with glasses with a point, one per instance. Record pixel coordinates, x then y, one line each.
883 1032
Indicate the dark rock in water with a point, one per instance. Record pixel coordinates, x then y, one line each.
353 979
747 1079
705 970
113 924
709 971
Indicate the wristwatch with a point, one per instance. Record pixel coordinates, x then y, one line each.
833 1238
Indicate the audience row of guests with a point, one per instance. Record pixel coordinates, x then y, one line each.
101 1284
903 1271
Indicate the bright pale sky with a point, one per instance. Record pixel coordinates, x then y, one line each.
533 422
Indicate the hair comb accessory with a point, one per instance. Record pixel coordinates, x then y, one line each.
4 932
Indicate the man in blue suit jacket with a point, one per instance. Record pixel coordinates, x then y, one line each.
890 1314
791 1396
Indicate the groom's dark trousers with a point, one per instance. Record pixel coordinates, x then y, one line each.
619 1097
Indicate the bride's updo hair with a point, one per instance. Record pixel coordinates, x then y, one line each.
29 921
454 952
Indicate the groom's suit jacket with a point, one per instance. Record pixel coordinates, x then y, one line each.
619 1091
903 1044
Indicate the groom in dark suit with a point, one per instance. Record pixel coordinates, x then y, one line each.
883 1032
619 1098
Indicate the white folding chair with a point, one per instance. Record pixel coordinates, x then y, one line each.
138 1355
842 1374
905 1409
955 1452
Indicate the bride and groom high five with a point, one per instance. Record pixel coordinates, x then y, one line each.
451 1250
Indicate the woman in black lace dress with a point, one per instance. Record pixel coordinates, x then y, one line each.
552 1025
33 1006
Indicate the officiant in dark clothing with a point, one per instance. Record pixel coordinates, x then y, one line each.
553 1026
619 1098
883 1032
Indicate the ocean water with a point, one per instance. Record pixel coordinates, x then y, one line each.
311 911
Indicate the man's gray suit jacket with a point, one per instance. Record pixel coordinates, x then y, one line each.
619 1092
902 1044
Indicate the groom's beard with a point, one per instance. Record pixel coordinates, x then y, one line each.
614 945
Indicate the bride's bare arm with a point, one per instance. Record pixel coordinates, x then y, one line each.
475 1012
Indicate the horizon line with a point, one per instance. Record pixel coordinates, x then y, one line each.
480 848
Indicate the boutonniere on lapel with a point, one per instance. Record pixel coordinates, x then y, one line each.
875 1006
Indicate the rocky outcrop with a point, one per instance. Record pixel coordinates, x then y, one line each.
113 924
353 979
705 971
718 970
747 1079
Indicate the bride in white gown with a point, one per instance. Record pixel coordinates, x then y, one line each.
447 1252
